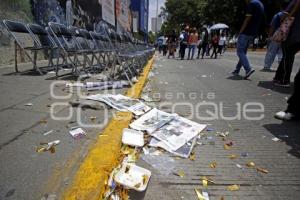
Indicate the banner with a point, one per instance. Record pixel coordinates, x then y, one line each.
123 14
108 11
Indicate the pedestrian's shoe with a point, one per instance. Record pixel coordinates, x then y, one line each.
279 84
286 116
267 70
235 73
249 73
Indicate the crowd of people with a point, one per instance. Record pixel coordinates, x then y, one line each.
191 39
283 41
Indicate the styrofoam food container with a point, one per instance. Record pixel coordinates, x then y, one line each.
134 177
132 137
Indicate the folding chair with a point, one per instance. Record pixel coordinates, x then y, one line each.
27 42
68 46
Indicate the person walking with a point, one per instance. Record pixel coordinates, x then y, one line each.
192 42
215 45
204 43
249 29
165 46
172 39
274 48
222 43
289 47
183 39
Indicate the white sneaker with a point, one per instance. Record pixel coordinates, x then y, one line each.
286 116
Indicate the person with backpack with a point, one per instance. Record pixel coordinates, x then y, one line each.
274 48
183 41
290 47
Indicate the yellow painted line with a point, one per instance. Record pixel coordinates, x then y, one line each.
91 178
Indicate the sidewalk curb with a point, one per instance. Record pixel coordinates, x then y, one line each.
91 178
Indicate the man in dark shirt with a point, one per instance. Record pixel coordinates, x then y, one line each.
249 29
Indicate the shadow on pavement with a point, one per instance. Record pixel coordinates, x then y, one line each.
269 85
235 78
288 132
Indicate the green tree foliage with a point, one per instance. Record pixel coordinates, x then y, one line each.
199 12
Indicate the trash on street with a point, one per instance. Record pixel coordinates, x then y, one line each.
133 177
50 146
77 133
133 138
233 188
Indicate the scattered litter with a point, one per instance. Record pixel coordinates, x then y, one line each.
50 146
233 187
166 83
76 84
77 133
232 157
49 197
134 80
133 177
204 183
224 135
184 152
28 104
121 103
262 170
178 132
226 147
230 144
213 165
244 155
250 164
275 139
43 121
151 121
47 133
204 76
208 180
180 173
102 77
93 118
205 195
239 166
86 104
192 156
146 98
199 195
132 137
209 129
90 86
162 163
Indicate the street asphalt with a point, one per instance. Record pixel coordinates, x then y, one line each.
181 87
252 140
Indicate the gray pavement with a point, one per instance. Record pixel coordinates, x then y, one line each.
252 139
24 173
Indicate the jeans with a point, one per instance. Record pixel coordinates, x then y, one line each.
242 46
182 50
274 49
283 73
192 47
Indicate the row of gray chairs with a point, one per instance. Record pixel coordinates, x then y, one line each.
118 54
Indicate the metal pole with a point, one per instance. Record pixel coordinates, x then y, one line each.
156 28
